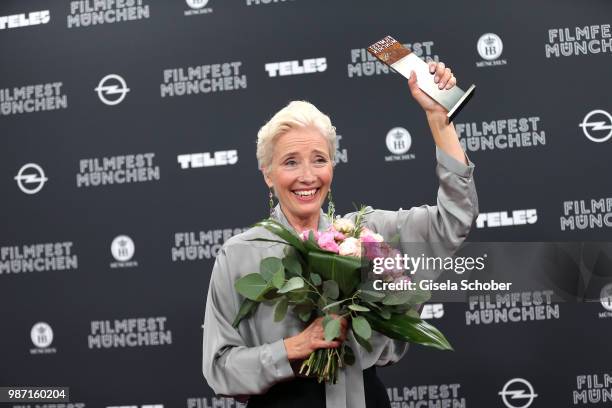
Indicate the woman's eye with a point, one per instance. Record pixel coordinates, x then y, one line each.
321 160
290 163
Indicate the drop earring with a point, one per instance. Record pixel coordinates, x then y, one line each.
331 208
271 202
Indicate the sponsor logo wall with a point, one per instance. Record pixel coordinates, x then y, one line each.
128 160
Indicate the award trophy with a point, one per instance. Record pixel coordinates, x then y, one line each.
403 60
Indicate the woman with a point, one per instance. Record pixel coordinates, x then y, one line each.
295 150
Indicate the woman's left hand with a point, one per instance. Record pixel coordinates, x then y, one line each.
442 76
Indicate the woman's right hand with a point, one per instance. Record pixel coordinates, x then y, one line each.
312 338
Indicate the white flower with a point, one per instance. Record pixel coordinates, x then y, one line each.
350 247
344 226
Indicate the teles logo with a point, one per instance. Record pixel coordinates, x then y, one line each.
122 249
42 337
207 159
597 126
20 20
490 47
31 178
197 7
398 142
517 393
503 219
307 66
112 89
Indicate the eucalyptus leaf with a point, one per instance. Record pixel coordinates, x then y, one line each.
269 266
315 278
330 289
363 342
294 283
338 303
371 295
397 298
251 286
280 311
298 295
292 265
278 280
331 327
358 308
384 313
361 327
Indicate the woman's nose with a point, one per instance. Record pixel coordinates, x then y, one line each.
307 175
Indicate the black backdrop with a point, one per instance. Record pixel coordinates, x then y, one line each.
557 172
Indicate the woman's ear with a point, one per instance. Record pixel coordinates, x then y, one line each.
267 178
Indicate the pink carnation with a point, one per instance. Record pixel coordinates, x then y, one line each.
326 241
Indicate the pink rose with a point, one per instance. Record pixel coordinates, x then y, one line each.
326 241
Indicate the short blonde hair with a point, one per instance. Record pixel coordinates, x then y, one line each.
295 114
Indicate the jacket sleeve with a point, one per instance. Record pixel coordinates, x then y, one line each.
442 227
445 224
229 366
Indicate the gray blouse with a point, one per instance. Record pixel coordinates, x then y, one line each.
250 359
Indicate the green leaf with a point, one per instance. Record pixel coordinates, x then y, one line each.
251 286
283 232
397 298
329 306
344 270
362 328
358 308
294 283
371 295
413 313
315 279
363 342
330 289
384 313
331 327
292 265
278 280
407 328
247 308
280 311
269 266
298 295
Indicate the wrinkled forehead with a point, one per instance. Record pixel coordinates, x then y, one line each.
301 140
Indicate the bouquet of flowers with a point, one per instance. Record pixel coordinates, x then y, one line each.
321 275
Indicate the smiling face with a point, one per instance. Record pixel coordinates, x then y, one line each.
301 173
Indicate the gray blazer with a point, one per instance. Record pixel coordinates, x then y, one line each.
249 360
